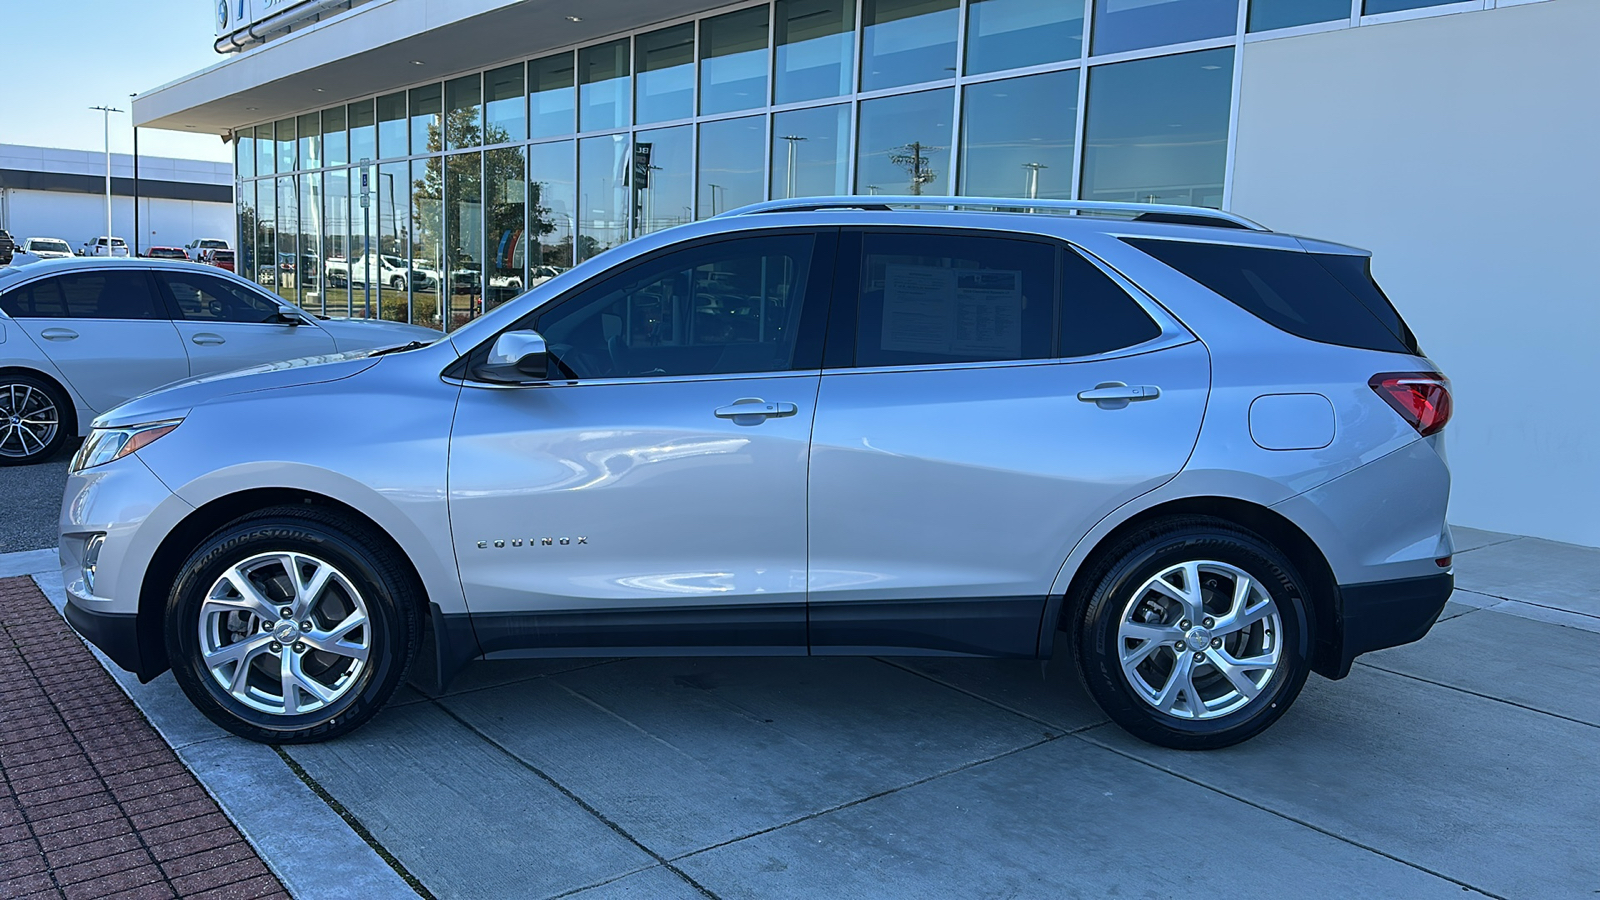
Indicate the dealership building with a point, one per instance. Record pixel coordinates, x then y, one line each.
496 142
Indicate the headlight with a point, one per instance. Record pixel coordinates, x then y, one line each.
107 444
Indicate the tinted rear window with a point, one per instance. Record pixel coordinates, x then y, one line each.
1291 290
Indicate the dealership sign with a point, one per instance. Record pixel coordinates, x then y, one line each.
232 17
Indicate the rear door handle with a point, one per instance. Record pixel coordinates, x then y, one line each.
58 334
1116 395
207 339
754 411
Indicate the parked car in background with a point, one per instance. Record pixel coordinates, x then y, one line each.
380 270
166 253
1203 458
221 258
195 248
83 335
47 247
8 246
99 247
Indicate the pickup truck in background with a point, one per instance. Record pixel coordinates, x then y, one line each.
379 269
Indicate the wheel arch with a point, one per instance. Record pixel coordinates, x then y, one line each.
1271 526
181 540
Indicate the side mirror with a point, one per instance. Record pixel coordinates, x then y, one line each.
517 357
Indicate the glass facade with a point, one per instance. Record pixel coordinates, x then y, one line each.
433 202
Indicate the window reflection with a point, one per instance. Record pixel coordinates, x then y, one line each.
732 153
427 103
1266 15
463 235
662 177
733 61
335 144
363 137
463 124
907 41
551 208
391 271
309 269
504 117
266 150
244 154
811 152
603 94
286 156
427 241
336 240
550 104
663 80
904 147
1017 136
310 131
265 272
815 41
1009 34
1373 7
602 193
285 280
505 189
1134 24
364 291
392 140
1156 130
245 260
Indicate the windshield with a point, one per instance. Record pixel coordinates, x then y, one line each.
224 255
51 246
213 244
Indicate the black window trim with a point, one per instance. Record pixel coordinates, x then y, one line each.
814 319
839 352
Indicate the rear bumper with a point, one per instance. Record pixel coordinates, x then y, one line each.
1380 614
116 634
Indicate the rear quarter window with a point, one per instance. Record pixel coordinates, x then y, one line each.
1292 290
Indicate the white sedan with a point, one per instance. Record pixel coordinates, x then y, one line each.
79 336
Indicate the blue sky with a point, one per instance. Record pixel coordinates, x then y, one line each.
63 57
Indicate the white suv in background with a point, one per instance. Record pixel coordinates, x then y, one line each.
46 248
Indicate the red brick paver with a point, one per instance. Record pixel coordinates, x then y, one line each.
92 802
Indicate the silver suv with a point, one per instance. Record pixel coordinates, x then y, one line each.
1203 455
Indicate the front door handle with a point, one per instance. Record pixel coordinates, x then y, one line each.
58 334
754 411
208 339
1116 395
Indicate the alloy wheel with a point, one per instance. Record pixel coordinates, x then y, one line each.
285 633
1200 640
29 420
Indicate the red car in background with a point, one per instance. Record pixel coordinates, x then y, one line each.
221 258
166 253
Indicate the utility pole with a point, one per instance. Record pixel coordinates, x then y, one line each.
135 249
106 112
789 185
912 157
1033 178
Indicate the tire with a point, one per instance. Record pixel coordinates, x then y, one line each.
397 283
35 418
329 692
1135 639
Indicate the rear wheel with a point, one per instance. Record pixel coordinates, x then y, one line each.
1195 635
33 417
292 625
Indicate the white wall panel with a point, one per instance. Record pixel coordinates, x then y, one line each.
1464 151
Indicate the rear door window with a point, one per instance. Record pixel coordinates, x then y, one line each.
931 298
1097 315
86 295
1289 289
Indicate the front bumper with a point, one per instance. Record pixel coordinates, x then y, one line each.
1381 614
116 634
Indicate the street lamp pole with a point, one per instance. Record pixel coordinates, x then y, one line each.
788 183
106 112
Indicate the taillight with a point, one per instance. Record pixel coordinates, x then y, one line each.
1421 398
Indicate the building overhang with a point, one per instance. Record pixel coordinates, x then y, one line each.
381 46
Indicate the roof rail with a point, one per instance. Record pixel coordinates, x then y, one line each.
1148 212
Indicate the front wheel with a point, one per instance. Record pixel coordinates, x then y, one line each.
397 283
1195 635
32 419
292 625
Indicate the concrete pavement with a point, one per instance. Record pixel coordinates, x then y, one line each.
1457 766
